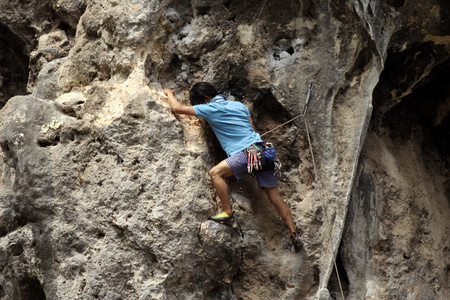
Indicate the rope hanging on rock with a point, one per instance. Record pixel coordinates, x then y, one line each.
315 172
323 209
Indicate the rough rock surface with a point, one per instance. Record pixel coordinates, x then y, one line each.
105 193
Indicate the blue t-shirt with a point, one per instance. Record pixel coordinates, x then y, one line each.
230 122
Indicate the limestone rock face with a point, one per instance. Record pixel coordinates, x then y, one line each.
105 193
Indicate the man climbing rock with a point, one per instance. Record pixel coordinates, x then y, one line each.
233 126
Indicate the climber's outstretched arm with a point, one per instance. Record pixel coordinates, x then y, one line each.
177 107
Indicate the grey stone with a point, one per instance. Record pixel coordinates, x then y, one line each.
47 86
70 11
104 193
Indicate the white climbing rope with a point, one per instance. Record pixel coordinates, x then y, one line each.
323 209
315 174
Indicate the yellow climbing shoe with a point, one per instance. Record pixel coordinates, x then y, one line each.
222 218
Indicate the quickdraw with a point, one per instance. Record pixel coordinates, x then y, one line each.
253 158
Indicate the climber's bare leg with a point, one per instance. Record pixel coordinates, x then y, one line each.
283 209
218 174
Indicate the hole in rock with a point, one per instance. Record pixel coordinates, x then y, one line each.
283 46
290 50
66 28
412 103
16 249
31 289
13 66
49 142
425 113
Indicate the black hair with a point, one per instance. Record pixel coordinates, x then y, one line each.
199 91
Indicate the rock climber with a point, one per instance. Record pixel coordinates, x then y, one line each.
234 128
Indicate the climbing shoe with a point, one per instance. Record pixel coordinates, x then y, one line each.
296 242
222 218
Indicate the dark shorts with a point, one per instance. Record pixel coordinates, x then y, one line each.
267 177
